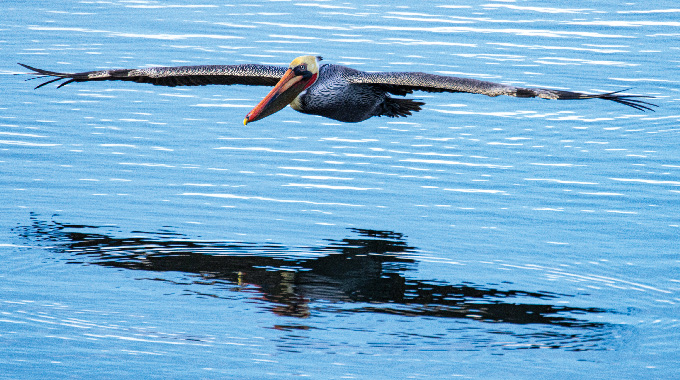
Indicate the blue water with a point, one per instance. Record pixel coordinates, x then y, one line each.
147 233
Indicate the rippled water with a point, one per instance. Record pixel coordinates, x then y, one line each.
146 231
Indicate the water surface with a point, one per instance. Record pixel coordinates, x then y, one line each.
146 231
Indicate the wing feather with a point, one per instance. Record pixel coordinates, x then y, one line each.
246 74
402 83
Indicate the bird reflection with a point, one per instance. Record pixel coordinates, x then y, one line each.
370 273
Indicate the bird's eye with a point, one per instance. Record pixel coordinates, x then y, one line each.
303 67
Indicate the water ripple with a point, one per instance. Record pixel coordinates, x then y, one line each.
266 199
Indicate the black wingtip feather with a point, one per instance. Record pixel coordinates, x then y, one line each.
628 100
44 72
47 73
634 101
65 83
48 82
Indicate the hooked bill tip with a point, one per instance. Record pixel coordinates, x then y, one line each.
245 121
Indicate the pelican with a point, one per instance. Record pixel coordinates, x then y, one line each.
333 91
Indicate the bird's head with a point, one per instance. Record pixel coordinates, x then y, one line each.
301 74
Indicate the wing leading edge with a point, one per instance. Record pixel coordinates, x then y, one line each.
397 83
402 83
246 74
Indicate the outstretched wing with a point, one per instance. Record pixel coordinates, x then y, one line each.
248 74
402 83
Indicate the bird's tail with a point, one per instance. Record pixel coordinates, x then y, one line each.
396 107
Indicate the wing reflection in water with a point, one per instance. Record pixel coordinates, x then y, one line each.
372 273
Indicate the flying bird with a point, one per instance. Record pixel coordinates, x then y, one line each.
333 91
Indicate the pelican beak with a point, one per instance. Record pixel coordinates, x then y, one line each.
284 92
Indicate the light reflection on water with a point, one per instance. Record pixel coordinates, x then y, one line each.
456 242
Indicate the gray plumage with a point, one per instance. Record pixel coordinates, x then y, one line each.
336 96
340 93
248 74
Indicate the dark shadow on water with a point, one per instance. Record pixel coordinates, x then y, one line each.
368 273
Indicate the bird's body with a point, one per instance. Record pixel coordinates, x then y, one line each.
335 96
333 91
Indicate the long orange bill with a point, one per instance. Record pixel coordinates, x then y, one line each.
283 93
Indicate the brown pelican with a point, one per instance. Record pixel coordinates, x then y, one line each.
332 91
